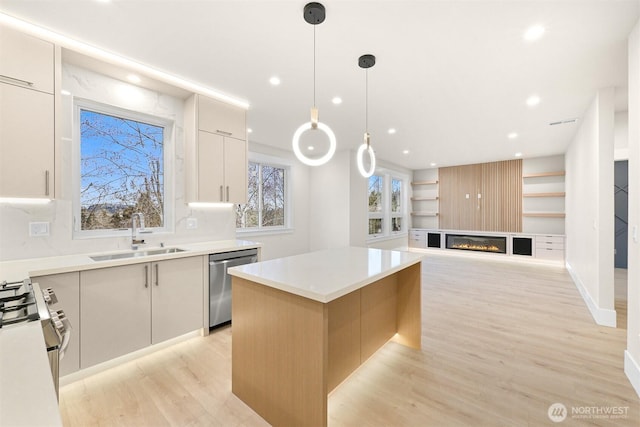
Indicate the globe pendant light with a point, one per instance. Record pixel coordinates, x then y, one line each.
314 14
366 62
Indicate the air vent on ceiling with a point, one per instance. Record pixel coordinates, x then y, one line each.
562 122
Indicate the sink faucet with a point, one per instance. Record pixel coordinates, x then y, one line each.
134 237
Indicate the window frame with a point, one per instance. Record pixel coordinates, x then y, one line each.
168 166
387 215
276 162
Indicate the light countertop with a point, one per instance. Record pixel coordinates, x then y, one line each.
27 394
328 274
31 267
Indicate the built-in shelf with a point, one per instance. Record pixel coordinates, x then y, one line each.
543 174
544 214
424 182
416 199
559 194
424 213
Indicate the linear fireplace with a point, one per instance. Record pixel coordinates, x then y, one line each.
464 242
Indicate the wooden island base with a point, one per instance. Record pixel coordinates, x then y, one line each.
289 352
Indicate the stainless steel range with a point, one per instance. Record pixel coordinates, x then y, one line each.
22 302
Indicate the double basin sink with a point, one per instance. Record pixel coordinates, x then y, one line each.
136 254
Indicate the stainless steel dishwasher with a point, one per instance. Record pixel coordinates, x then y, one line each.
220 282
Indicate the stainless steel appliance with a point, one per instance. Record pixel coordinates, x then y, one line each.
22 302
220 282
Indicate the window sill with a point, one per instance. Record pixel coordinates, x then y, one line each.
264 232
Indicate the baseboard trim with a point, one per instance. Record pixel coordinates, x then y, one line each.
602 316
632 370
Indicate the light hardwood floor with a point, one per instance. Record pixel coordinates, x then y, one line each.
501 342
620 292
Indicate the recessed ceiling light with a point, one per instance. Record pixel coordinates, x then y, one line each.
433 164
405 151
337 100
275 81
391 131
133 78
512 135
311 148
518 154
533 100
65 92
249 130
533 33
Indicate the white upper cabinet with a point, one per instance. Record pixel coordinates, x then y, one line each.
224 119
216 151
26 61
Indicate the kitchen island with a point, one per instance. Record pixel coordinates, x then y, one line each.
302 324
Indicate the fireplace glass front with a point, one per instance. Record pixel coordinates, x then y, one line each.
464 242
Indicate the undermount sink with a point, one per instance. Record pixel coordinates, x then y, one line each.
136 254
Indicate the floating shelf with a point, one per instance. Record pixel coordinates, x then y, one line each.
424 182
415 199
543 174
424 213
560 194
544 214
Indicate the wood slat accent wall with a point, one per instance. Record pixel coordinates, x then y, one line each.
500 205
501 202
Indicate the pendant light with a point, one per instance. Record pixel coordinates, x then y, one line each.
314 14
366 62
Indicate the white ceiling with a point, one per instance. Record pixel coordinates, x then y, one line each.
451 76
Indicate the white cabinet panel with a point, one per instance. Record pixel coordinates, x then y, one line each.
210 167
177 298
26 61
27 142
115 312
225 119
235 170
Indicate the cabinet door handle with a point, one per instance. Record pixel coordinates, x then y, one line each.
157 276
14 80
221 197
146 276
227 193
223 132
46 183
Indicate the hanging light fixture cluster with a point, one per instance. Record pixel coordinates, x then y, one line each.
314 14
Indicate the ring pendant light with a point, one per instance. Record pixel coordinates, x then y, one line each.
314 14
366 62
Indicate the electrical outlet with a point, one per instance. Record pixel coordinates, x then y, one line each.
192 223
38 229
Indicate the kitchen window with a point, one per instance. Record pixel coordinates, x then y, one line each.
386 204
122 169
268 206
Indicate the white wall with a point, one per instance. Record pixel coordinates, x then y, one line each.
632 355
621 138
213 224
590 208
295 241
329 192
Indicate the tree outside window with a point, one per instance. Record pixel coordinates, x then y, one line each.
396 205
121 171
266 201
376 189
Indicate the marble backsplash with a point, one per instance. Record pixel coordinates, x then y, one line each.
216 223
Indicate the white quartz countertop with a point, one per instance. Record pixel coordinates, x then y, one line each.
329 274
27 394
31 267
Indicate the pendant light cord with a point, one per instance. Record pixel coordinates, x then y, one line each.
366 100
314 66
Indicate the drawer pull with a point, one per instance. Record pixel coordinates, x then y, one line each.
223 132
19 81
146 276
221 198
46 183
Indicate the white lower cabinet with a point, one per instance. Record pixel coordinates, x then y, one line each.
67 289
127 308
176 298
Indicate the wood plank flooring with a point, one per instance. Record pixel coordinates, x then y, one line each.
620 292
501 342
